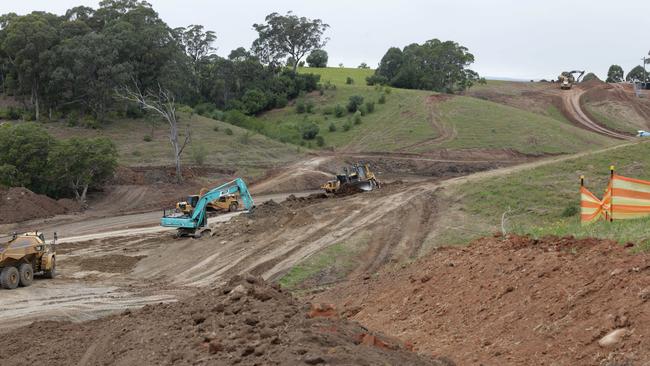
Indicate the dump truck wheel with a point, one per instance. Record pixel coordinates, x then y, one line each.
232 207
9 278
26 274
52 272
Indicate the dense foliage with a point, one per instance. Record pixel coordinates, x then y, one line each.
58 64
433 65
30 157
615 74
638 73
317 58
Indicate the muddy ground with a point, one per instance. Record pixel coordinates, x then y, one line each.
513 301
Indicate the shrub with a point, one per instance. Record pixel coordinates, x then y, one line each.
205 109
347 126
329 110
376 80
332 127
357 117
134 111
349 81
90 122
570 210
317 58
382 99
309 130
254 101
301 107
354 102
199 153
245 138
309 107
320 141
387 90
146 138
370 107
228 131
218 115
72 119
10 113
339 111
363 110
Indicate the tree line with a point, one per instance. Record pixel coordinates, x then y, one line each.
57 64
615 74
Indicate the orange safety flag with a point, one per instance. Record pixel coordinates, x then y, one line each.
624 198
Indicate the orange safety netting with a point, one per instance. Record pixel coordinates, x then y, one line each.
624 198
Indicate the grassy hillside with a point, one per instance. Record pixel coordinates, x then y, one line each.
483 124
241 150
414 121
545 200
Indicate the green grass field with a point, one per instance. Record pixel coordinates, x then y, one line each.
338 75
545 200
242 150
484 124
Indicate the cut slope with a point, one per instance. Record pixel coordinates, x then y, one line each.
514 302
617 107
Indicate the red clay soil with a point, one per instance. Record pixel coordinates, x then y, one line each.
517 301
20 204
247 322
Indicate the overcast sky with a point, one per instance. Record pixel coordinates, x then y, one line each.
509 38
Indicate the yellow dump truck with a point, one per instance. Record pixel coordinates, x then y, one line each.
24 256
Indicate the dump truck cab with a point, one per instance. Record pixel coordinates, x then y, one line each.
24 256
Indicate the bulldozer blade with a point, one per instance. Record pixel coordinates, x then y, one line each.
365 186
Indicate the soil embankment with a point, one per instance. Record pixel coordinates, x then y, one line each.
514 301
246 322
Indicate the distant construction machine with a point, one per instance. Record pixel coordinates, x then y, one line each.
566 79
358 178
228 203
191 223
24 256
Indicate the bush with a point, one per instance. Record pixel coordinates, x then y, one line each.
301 107
347 126
376 80
309 130
370 107
387 90
363 110
205 109
349 81
199 153
332 127
218 115
72 119
357 117
228 131
354 102
215 129
10 113
309 107
254 101
317 58
146 138
90 122
329 110
320 141
382 99
245 138
339 111
133 111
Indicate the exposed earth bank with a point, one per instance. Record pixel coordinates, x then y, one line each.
246 322
513 301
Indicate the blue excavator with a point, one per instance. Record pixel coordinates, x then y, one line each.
192 223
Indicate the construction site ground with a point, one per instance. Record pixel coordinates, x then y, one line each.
486 304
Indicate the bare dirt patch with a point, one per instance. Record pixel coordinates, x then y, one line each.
517 301
245 322
113 263
20 204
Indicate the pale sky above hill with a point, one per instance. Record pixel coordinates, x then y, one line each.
509 38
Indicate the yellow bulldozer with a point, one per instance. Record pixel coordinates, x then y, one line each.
23 256
357 178
228 203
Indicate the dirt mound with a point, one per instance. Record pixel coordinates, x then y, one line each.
20 204
112 263
514 301
247 322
